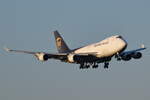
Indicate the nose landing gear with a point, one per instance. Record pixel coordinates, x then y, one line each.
118 57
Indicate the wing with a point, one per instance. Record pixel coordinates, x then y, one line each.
66 57
18 51
42 56
133 51
136 54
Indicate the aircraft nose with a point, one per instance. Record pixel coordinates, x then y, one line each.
124 43
122 39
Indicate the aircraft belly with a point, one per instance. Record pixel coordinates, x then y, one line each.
105 50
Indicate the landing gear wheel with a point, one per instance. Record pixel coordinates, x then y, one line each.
81 66
106 65
118 59
84 66
95 66
87 66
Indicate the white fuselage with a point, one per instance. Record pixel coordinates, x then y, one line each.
105 48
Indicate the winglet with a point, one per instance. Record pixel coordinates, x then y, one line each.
7 49
142 46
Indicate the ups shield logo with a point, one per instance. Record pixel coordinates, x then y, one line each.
59 42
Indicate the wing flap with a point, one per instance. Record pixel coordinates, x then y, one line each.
50 55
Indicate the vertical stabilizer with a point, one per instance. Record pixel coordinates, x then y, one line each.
60 43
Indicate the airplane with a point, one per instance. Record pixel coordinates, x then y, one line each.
90 55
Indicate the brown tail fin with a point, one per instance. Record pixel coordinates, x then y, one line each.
60 43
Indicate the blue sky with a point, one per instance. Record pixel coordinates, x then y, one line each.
27 25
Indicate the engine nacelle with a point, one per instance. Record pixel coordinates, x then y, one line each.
41 56
137 55
126 57
71 58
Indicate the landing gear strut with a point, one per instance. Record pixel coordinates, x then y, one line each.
118 57
84 66
95 65
106 65
87 65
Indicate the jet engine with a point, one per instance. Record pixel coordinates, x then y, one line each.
41 56
137 55
126 57
71 58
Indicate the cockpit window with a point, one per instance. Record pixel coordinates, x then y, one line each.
119 37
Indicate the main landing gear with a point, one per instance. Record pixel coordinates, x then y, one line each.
93 65
106 64
87 65
84 66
